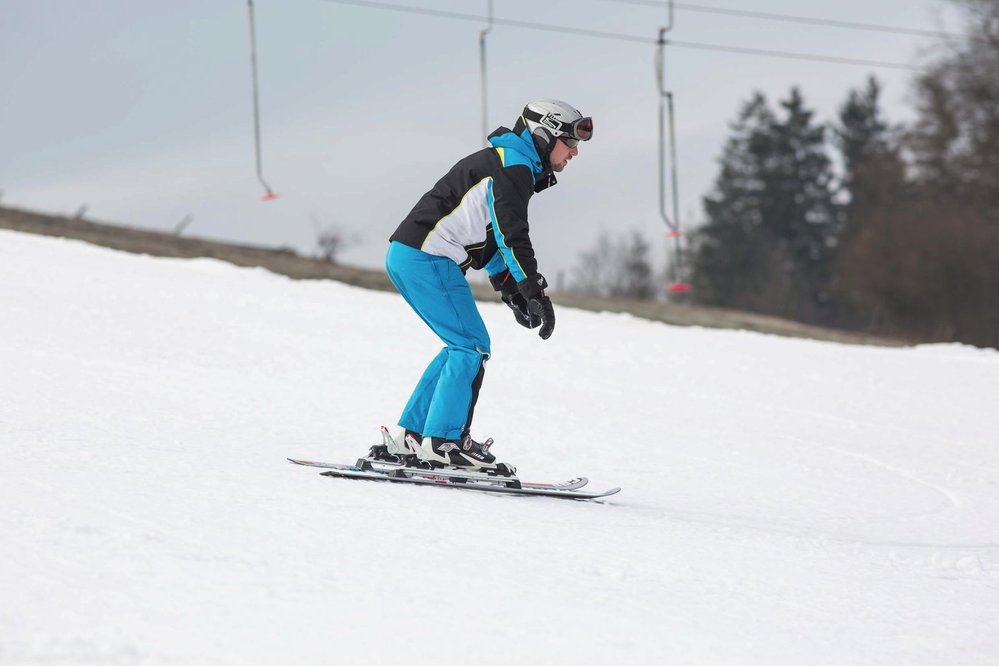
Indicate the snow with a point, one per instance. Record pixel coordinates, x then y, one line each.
785 501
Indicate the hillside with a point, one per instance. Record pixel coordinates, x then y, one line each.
286 262
785 501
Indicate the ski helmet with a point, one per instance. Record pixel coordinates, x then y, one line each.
550 119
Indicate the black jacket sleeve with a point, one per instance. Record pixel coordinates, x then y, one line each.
512 189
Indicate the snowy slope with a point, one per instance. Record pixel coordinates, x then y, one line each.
785 501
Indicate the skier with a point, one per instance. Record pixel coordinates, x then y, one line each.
476 217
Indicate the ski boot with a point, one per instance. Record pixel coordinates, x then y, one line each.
465 453
404 450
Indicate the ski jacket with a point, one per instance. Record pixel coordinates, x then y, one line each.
476 214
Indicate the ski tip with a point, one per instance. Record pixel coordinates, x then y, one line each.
597 496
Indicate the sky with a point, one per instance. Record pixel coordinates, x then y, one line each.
142 111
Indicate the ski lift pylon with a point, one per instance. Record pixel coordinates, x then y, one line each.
666 104
256 107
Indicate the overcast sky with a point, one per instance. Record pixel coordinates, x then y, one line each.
142 110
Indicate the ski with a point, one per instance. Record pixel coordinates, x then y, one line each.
385 467
440 478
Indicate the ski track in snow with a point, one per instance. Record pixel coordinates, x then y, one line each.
785 501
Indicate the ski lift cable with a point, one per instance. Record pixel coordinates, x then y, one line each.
794 18
602 34
256 106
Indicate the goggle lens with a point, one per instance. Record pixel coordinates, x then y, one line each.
583 129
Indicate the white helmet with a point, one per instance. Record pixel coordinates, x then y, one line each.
549 119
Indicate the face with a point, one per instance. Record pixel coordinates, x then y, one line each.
561 154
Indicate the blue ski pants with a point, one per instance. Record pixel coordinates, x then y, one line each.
444 399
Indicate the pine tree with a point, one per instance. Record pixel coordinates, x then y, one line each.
804 212
772 218
874 181
724 262
872 162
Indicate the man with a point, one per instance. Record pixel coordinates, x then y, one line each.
476 217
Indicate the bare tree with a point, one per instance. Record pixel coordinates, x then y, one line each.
331 240
616 267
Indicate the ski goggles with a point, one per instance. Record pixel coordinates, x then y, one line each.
578 130
569 141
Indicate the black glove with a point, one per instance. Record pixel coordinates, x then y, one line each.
503 283
532 290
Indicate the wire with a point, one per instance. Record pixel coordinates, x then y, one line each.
790 55
510 22
790 18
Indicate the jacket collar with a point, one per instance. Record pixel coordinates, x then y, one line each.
523 144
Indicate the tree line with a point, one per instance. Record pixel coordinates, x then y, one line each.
859 223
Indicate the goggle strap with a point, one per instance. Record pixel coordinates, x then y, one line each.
568 128
545 119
